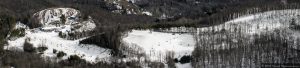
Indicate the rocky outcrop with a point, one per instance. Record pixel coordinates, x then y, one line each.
67 21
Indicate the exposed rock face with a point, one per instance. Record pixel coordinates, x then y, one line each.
49 17
68 21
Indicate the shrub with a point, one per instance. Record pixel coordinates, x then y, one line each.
54 50
20 59
156 65
62 35
28 47
17 33
60 54
170 59
176 60
42 49
185 59
73 60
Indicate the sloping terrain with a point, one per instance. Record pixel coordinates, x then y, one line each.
283 22
56 25
250 41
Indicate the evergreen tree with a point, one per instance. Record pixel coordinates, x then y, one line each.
63 19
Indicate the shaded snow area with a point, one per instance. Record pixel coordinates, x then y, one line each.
48 35
157 45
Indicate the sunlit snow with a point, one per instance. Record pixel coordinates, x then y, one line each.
158 44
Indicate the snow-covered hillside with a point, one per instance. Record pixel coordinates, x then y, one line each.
65 20
284 22
262 36
128 7
261 22
54 21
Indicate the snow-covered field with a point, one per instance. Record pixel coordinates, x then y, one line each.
157 45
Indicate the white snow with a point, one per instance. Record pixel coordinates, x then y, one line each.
147 13
20 25
51 40
242 19
186 65
157 44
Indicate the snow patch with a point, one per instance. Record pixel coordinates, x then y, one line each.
20 25
257 23
147 13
